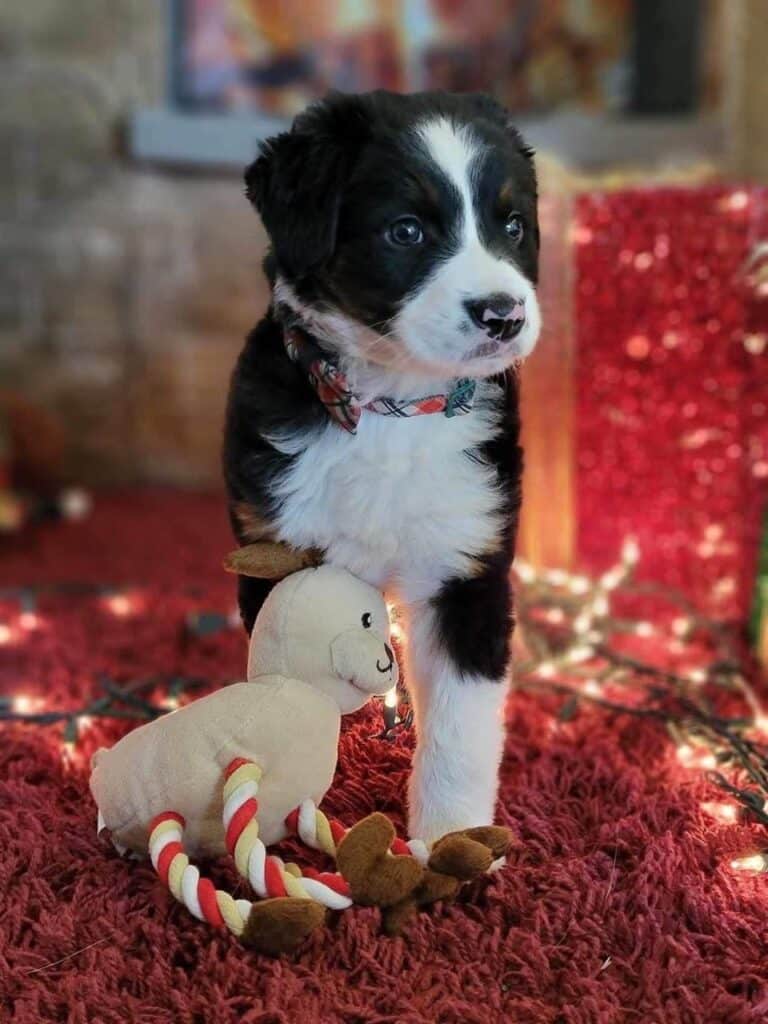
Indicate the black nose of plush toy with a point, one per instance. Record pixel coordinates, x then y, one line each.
391 656
500 315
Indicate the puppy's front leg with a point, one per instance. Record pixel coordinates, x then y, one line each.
456 662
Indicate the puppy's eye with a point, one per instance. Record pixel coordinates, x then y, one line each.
514 228
367 620
406 231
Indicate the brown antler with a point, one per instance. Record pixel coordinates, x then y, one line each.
268 560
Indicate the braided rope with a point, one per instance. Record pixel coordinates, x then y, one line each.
319 832
267 874
198 894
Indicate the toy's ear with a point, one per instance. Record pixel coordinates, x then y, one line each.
297 181
270 561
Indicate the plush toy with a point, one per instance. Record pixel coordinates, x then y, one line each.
186 784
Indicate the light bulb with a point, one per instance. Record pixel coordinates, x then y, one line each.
727 813
390 698
557 577
630 551
120 605
579 585
752 862
525 571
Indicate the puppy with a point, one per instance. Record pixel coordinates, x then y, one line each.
373 412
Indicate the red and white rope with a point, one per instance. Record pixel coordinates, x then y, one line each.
323 833
268 875
198 894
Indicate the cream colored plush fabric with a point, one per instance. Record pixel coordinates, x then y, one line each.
311 659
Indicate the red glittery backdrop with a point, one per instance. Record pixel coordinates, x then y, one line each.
672 385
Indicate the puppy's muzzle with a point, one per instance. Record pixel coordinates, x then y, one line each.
501 316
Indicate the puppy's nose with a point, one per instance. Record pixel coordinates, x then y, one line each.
501 316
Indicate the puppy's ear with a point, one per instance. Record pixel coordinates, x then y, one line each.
297 181
490 108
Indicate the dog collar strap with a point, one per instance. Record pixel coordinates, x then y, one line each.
343 405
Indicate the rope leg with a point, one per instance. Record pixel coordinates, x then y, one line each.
268 875
198 894
319 832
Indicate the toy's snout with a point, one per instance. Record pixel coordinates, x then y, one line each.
365 659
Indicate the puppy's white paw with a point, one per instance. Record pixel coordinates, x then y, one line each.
432 823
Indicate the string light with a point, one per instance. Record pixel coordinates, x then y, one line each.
557 577
5 634
725 813
525 572
120 605
579 585
579 654
754 862
630 552
705 741
611 579
555 615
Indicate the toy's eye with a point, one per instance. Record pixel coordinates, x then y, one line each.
367 620
514 228
406 231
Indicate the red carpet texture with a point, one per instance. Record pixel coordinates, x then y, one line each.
616 905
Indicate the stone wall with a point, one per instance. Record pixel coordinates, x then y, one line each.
125 292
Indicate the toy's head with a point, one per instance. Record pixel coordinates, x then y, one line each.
329 629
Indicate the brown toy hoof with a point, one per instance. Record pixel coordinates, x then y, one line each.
495 837
433 887
376 879
460 857
280 925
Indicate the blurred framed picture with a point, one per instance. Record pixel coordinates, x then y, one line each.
275 56
569 70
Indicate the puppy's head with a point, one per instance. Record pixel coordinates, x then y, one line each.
404 230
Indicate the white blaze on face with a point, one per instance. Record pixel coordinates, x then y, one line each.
433 323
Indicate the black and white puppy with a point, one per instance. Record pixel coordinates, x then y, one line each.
404 249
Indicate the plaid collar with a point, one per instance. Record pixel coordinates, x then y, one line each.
343 405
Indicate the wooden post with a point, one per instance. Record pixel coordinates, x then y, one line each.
746 88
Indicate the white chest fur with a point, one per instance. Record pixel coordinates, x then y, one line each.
400 504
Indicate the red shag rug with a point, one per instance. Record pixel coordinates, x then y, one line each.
617 905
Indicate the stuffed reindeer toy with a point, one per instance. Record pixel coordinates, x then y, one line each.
248 765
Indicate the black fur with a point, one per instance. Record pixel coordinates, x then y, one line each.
475 614
326 191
